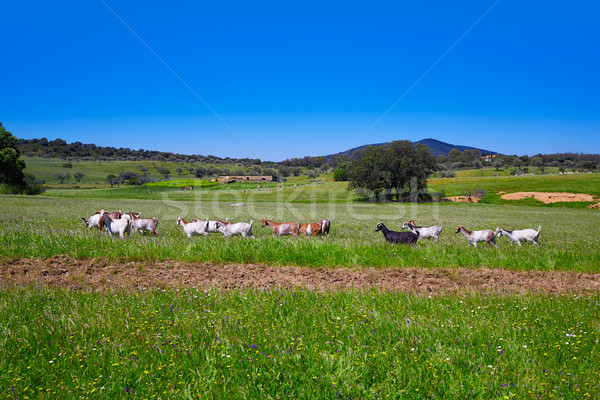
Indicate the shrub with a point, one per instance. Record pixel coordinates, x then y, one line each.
340 174
128 177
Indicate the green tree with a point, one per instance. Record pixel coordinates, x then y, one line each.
61 177
341 172
454 153
112 179
408 165
589 165
536 162
399 167
369 173
497 164
78 175
128 177
517 162
200 172
313 174
11 164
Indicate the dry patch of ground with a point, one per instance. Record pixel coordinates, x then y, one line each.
594 206
463 199
546 197
101 274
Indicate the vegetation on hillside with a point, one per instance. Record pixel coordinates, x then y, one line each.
517 165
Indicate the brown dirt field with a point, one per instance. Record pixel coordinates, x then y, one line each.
101 275
594 206
463 199
547 197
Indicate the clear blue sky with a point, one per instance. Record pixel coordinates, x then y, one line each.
305 78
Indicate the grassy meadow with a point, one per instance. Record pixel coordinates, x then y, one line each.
37 227
296 343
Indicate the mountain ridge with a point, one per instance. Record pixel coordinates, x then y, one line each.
438 148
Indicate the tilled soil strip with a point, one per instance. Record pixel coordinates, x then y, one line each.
102 274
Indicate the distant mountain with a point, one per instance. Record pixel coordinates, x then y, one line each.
438 148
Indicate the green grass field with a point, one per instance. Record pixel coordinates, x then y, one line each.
45 226
296 343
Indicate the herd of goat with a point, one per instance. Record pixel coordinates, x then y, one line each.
120 223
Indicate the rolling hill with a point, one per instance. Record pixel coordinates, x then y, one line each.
438 147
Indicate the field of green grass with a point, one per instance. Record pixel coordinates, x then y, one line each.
45 226
588 183
296 344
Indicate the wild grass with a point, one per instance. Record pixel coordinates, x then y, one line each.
38 227
296 344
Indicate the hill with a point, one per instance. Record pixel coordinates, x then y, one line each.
438 148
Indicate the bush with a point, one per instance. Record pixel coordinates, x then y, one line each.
32 186
128 177
61 177
78 175
145 179
340 175
447 173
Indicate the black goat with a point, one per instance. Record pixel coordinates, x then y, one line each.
397 237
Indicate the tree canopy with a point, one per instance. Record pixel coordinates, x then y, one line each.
11 164
400 167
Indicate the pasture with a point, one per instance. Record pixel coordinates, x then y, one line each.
295 344
36 227
183 341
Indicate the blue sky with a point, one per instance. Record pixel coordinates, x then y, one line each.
285 79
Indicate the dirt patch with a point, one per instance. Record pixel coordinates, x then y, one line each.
101 274
463 199
594 206
547 198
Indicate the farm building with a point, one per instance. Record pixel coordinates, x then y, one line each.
247 178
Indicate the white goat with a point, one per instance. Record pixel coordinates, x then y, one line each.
529 235
473 237
143 224
424 231
234 228
92 221
195 227
211 224
115 226
129 216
